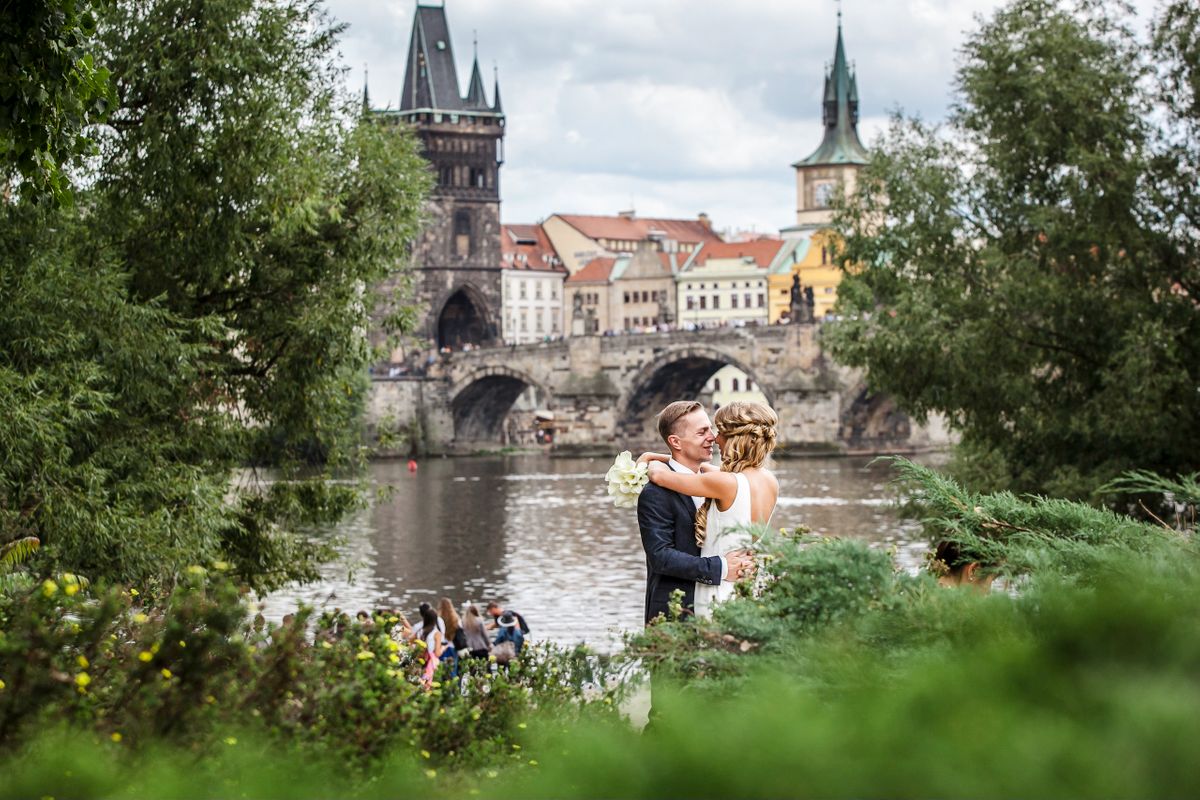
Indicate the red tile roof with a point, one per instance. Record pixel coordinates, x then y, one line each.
596 271
763 251
527 247
636 229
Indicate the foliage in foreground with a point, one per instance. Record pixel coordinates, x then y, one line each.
196 672
1031 269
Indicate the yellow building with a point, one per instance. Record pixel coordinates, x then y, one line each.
725 283
833 167
812 260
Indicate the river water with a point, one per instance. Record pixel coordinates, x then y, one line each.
540 535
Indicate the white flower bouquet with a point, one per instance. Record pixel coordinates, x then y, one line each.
626 478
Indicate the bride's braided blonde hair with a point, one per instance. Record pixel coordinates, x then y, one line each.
749 431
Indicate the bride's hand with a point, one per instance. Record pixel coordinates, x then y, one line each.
651 458
656 469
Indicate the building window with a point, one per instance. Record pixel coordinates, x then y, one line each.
554 323
703 302
733 301
735 384
746 297
541 326
828 290
691 303
716 384
645 297
749 385
537 291
462 233
762 300
524 322
553 291
521 287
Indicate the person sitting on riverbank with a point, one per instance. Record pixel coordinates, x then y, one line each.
955 568
478 645
510 634
496 611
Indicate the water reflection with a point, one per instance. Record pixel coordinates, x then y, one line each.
539 534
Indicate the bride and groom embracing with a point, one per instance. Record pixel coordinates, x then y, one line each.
692 514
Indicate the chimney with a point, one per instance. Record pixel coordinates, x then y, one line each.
626 214
704 220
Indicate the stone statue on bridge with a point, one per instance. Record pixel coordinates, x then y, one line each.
802 302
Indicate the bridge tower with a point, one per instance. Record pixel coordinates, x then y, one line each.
457 256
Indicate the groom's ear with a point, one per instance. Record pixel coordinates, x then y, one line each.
674 443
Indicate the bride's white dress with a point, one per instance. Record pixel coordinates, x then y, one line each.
720 537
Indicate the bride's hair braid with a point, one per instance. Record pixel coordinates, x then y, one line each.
749 431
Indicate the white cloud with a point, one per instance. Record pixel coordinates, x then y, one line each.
680 105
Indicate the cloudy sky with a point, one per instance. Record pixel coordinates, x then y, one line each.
672 107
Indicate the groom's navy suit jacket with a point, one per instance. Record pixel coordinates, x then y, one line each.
668 523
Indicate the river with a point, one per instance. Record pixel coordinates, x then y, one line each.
540 535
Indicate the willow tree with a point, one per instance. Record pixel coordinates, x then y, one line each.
1029 268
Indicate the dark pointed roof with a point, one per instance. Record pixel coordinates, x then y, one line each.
496 91
476 96
430 80
841 144
366 101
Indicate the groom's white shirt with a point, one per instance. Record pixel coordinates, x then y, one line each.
699 501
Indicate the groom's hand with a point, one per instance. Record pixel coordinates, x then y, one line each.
740 565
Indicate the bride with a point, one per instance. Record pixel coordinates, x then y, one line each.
738 493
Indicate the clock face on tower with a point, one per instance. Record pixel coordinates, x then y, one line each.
823 194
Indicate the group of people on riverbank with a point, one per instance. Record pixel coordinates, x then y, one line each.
446 637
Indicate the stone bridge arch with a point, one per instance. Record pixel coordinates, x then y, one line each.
481 399
677 374
869 421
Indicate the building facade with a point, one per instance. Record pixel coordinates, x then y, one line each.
812 261
726 283
531 285
580 238
457 257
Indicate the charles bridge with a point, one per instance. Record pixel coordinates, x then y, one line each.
604 390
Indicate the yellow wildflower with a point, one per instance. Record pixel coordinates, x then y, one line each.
395 659
49 587
325 644
491 773
431 773
210 699
393 645
82 679
221 565
424 754
134 592
182 643
72 589
140 618
196 569
166 673
522 725
2 685
116 736
533 762
231 740
82 662
145 656
516 747
365 655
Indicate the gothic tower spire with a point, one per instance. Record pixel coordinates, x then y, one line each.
839 107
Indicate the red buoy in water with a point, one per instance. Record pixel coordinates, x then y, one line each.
412 465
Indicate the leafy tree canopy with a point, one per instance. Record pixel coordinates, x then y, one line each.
1030 268
50 89
204 306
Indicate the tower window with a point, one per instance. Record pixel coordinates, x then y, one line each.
462 234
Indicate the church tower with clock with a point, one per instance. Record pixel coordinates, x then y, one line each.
840 156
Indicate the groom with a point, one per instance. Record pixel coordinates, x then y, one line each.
667 519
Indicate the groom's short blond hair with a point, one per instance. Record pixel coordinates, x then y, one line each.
668 418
